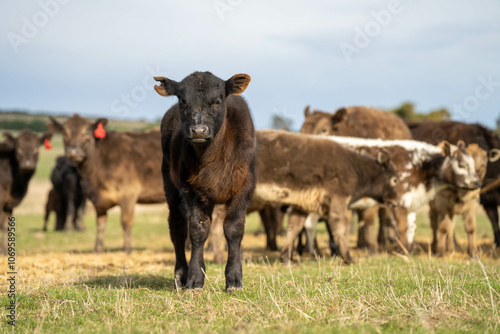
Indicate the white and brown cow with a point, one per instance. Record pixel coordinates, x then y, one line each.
423 170
451 201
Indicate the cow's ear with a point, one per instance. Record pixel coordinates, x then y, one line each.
339 115
493 155
103 121
237 84
9 138
307 111
445 148
383 158
461 145
54 125
167 87
46 136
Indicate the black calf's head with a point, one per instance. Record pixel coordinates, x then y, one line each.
202 102
26 147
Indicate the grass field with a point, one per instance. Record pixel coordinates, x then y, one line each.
64 288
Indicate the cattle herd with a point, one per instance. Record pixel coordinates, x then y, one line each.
212 168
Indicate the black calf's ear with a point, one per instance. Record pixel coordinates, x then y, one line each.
237 84
46 136
54 125
339 115
9 138
383 158
493 155
167 87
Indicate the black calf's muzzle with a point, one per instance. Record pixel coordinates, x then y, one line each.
199 133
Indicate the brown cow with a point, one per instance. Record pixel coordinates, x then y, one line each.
123 169
433 132
18 160
362 122
318 175
209 153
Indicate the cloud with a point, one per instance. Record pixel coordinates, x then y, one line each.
92 53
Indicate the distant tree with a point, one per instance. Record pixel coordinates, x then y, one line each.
281 123
407 111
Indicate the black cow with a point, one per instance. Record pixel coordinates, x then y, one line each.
209 155
69 195
18 159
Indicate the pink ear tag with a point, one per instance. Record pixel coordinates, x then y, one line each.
47 145
100 132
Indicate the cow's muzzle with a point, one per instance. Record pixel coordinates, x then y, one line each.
199 133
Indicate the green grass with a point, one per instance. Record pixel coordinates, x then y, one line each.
64 288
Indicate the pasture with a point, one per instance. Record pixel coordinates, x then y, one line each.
64 288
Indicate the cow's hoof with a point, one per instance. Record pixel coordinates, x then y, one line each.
232 289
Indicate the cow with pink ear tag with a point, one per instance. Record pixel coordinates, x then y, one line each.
117 169
18 160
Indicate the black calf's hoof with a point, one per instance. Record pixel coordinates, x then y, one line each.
233 289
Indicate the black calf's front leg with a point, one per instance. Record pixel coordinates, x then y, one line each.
199 227
234 228
197 212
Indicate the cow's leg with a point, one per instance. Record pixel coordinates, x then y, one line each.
79 214
178 234
296 221
217 233
70 213
387 231
234 229
3 225
361 243
445 217
199 228
102 220
334 248
61 214
450 235
469 218
127 208
433 217
492 211
270 219
311 226
370 241
338 221
401 217
47 214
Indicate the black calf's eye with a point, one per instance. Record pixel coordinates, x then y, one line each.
216 103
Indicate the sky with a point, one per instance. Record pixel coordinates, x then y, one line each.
98 58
